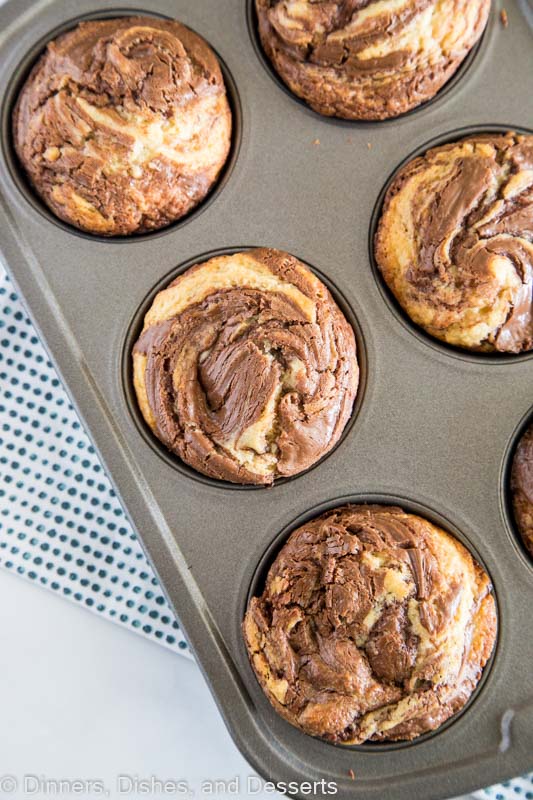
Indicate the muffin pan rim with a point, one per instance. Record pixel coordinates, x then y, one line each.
22 182
474 55
506 495
172 459
410 506
390 300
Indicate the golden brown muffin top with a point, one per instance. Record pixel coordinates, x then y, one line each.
373 624
455 242
368 59
246 368
123 124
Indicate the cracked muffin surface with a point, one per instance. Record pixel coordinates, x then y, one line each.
246 368
455 242
368 59
123 125
373 624
522 488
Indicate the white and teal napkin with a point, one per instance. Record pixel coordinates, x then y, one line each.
61 524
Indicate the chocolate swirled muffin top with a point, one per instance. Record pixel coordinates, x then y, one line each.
455 242
246 368
368 59
522 488
123 125
373 625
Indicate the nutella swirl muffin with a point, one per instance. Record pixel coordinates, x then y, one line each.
522 488
368 59
373 625
246 368
455 242
123 125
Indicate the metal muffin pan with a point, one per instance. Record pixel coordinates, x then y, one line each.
434 429
505 491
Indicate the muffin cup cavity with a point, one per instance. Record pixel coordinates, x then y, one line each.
257 582
398 312
506 491
18 174
158 447
443 93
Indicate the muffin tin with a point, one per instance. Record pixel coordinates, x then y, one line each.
434 428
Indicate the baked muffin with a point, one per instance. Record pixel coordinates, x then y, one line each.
246 368
455 242
123 125
522 488
373 625
368 59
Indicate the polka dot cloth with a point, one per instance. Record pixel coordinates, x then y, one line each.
61 525
519 789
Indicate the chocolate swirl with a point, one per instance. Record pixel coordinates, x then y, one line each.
123 124
368 59
522 488
455 242
246 368
373 624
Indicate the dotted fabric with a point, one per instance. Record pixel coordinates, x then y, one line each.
519 789
61 525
